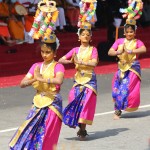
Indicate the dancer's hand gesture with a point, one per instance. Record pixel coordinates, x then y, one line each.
37 74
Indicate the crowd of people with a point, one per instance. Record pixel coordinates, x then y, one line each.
17 23
16 19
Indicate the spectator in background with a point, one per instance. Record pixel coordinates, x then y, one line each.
74 3
5 35
4 9
15 22
31 6
72 11
114 17
61 21
4 31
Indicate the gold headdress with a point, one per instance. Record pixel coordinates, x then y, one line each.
50 39
89 1
133 12
45 19
131 21
86 25
47 6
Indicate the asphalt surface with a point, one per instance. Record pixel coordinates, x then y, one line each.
131 132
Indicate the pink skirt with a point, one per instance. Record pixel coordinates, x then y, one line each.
53 126
40 131
89 106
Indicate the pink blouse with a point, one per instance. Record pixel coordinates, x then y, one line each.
76 50
58 68
139 43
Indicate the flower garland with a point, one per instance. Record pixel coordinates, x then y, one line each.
134 9
87 11
44 19
51 24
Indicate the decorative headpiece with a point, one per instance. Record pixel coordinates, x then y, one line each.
86 25
51 39
133 12
87 11
47 6
44 20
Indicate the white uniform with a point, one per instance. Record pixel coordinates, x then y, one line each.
61 21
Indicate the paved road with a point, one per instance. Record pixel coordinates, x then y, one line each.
132 132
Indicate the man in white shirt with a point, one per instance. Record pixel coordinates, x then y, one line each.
61 21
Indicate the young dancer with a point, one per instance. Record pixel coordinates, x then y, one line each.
42 126
127 79
43 123
82 96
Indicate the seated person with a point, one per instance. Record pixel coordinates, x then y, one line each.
5 35
31 6
4 10
15 22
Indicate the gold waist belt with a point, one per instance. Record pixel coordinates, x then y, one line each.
82 76
43 99
124 66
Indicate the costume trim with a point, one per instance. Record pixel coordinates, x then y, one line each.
88 86
20 130
135 72
131 109
55 111
81 120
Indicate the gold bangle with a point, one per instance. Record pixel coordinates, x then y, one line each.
48 81
26 83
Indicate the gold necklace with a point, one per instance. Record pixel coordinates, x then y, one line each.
46 67
128 43
81 54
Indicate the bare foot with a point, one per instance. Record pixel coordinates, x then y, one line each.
116 117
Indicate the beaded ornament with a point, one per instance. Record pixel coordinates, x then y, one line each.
133 12
44 20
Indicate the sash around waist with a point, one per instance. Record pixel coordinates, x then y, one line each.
83 76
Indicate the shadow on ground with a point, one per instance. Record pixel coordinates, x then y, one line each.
136 114
101 134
